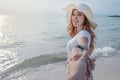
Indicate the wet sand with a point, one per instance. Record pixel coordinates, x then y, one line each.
106 69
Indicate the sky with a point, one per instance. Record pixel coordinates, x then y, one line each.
39 7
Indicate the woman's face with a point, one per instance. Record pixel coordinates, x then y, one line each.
77 18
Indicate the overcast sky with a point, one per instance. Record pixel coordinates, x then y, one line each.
37 7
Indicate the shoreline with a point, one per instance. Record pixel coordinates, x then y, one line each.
105 69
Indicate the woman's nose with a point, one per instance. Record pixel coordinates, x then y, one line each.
76 17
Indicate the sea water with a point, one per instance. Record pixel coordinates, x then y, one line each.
28 42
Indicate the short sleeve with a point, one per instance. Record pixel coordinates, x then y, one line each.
86 34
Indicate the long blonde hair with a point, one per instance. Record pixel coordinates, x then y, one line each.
71 30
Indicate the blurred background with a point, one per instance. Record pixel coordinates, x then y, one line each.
33 34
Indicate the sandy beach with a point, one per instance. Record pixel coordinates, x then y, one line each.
106 69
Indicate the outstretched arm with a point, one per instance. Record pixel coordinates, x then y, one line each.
77 67
77 64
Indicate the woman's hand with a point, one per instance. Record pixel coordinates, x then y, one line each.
77 68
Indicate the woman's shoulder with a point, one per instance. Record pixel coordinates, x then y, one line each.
84 32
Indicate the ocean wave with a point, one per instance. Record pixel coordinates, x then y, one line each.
104 51
37 61
8 59
44 59
12 44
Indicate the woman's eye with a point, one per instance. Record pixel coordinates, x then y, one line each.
80 14
73 14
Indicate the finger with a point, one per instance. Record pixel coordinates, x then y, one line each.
93 67
93 62
66 63
92 58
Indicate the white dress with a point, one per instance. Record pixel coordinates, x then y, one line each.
75 40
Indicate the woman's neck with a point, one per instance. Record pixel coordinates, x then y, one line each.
79 28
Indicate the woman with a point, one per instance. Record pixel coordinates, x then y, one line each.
80 25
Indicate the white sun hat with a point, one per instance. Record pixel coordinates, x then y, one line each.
81 8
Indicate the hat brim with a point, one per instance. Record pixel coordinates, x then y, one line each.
69 10
93 25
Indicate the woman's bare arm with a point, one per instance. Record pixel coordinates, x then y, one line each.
84 43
